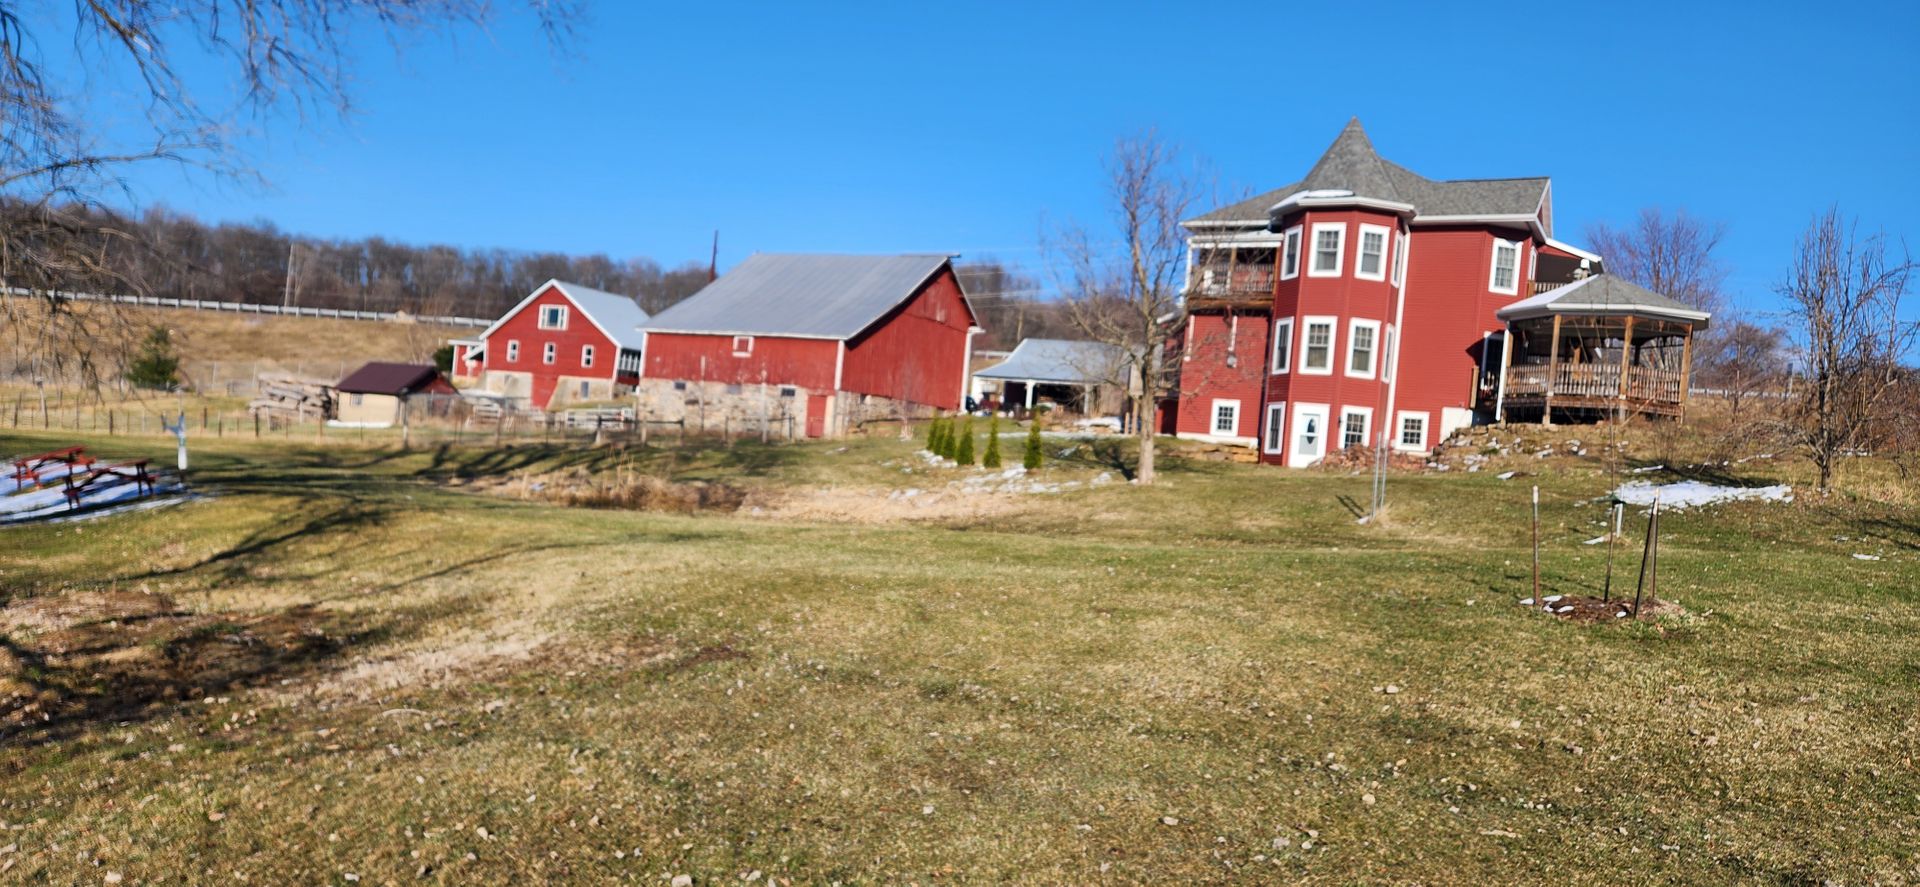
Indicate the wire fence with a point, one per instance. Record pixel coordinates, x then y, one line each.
259 308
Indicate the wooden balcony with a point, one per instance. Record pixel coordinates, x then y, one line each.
1236 280
1597 386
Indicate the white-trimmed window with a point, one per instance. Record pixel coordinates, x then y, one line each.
1276 438
553 317
1354 424
1329 240
1282 344
1506 267
1371 261
742 346
549 353
1363 347
1226 417
1411 432
513 350
586 355
1316 346
1290 254
1400 261
1389 353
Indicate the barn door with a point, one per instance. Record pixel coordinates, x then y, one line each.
816 415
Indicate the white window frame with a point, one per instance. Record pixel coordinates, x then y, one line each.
1213 417
1360 253
1493 270
549 353
738 350
1400 430
1282 345
1400 260
1373 353
1333 344
1339 249
1273 444
513 350
1290 250
586 355
560 322
1366 425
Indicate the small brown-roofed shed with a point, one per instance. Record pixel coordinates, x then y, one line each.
371 396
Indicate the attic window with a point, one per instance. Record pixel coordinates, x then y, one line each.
553 317
742 346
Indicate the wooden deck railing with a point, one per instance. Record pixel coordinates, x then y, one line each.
1219 280
1594 380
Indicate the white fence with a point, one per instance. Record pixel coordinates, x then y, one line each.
256 308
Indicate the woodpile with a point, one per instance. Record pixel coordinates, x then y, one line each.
291 397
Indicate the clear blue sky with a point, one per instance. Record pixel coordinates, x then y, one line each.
905 126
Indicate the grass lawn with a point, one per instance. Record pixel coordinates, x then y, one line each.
343 665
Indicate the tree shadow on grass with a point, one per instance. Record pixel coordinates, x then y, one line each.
128 657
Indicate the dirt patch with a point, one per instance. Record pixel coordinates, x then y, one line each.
81 657
580 488
1585 608
872 505
704 655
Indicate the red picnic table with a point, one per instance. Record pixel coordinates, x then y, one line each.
135 471
29 468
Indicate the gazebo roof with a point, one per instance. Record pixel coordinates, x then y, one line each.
1604 295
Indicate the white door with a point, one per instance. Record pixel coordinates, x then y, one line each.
1309 435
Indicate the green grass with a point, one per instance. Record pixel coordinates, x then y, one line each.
621 696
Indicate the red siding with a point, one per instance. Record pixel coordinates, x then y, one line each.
1205 376
1449 308
695 357
917 353
524 326
460 368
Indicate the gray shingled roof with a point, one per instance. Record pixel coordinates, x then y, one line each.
1603 294
1351 164
1059 360
809 296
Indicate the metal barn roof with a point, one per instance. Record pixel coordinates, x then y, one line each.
1059 360
620 317
805 296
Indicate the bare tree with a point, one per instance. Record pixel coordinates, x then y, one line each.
1843 294
1130 299
1671 255
1743 361
58 162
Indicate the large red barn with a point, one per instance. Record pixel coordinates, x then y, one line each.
563 342
812 344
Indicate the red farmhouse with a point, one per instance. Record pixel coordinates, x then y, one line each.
1297 300
565 342
812 344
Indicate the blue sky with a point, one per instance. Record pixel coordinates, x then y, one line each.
965 127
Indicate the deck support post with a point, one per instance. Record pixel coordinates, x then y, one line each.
1686 368
1553 371
1506 361
1626 352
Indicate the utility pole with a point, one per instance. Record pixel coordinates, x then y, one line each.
286 294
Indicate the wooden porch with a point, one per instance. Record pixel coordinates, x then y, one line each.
1594 365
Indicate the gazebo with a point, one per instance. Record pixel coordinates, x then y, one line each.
1595 347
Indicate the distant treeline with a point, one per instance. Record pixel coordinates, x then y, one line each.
169 254
172 255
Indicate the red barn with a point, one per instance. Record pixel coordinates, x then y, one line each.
812 344
1367 304
564 342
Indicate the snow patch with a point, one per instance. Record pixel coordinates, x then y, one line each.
1689 493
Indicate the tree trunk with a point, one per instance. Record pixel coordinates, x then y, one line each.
1143 422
